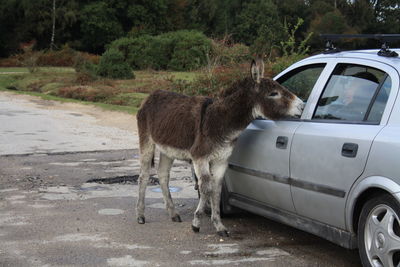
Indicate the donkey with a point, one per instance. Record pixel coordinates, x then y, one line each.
204 131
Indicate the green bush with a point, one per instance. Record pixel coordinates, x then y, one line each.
180 50
212 83
281 63
292 51
113 65
225 53
190 50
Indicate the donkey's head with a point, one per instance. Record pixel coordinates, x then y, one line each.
273 101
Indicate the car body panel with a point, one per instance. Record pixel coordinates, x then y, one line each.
361 186
256 150
333 234
317 158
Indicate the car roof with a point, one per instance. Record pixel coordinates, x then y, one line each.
370 54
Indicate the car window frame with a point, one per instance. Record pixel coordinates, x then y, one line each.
369 106
390 71
314 96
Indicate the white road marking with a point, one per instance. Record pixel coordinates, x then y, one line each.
156 206
110 211
272 252
235 262
79 237
8 190
128 260
223 249
16 197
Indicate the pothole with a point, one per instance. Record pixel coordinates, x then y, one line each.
124 179
173 189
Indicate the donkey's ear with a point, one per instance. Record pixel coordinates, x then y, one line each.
255 72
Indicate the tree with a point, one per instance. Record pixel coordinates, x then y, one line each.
387 15
24 20
292 10
331 22
99 26
148 16
360 15
259 25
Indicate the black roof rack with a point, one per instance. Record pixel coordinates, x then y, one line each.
384 38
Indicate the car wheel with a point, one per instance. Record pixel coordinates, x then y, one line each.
225 208
379 232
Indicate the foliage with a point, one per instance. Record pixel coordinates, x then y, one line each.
289 46
30 58
281 63
180 50
99 26
86 71
90 25
85 92
211 83
112 65
65 57
258 25
224 52
189 51
291 51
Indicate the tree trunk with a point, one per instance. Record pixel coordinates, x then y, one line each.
53 33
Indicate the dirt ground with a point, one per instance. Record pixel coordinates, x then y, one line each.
121 120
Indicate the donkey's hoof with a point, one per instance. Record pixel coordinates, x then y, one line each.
195 229
176 218
141 220
223 233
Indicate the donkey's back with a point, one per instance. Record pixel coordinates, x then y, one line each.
169 119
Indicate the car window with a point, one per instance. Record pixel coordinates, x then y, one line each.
379 104
301 81
354 93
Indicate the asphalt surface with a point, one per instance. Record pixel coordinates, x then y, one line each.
53 214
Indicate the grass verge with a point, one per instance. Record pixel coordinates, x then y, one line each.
127 109
64 85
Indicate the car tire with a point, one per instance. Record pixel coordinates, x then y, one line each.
225 208
379 232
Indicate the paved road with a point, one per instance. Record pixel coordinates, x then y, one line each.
51 214
31 125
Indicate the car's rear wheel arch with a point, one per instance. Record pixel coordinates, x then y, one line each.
361 200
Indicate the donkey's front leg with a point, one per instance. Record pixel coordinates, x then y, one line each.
218 169
164 168
146 156
202 170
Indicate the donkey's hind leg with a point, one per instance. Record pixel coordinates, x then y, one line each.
146 158
218 169
164 168
202 170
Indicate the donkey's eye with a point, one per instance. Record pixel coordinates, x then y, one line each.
273 94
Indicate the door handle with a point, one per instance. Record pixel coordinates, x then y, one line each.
281 142
349 150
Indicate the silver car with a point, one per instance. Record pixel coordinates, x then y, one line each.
335 171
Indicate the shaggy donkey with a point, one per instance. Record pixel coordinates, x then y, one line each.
204 131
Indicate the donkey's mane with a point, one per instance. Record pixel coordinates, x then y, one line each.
245 83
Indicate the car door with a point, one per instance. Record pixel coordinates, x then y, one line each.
259 165
330 149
